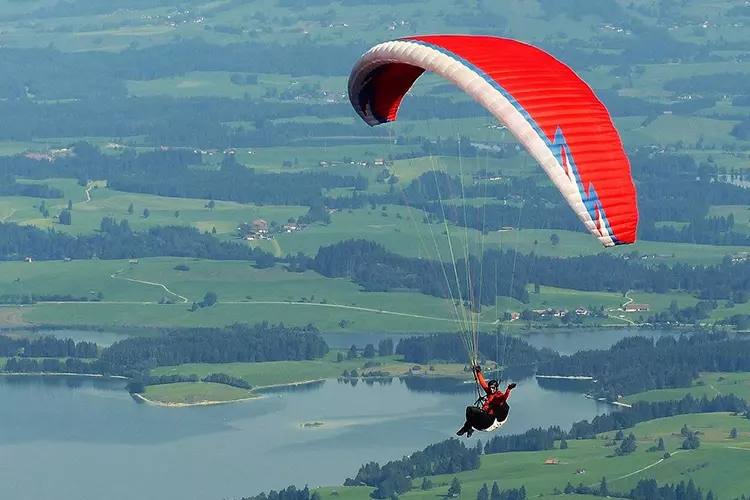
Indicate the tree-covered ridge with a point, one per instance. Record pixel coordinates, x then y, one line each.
116 240
373 267
235 343
638 364
136 355
508 349
172 173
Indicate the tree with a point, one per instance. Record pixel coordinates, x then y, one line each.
733 433
130 209
660 446
209 299
352 354
369 351
385 347
65 217
455 488
495 494
627 446
554 239
176 214
603 488
619 435
70 204
211 204
691 442
264 260
426 484
146 213
339 357
563 444
483 493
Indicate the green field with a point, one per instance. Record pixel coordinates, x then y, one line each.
131 292
188 393
152 292
88 211
717 465
401 229
707 384
273 373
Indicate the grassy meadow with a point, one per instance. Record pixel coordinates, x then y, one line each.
716 465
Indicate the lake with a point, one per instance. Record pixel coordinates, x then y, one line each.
89 440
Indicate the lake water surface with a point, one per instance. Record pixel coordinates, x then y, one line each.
74 438
88 439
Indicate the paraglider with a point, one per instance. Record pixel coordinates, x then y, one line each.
552 113
491 411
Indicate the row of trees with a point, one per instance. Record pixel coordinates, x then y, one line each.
235 343
507 349
32 298
136 355
9 187
139 384
376 269
395 477
52 365
46 347
645 489
116 240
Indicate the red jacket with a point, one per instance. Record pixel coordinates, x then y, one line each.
494 400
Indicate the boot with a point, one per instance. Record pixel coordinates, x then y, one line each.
464 430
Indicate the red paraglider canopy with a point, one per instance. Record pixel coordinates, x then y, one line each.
549 109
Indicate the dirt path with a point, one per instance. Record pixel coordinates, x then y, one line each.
115 276
648 466
622 309
630 474
8 216
353 308
627 302
250 303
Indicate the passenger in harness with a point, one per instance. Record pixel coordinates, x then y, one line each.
494 407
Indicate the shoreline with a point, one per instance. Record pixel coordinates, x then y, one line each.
566 377
60 374
139 396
